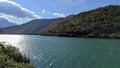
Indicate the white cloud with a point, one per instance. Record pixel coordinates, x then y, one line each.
8 16
59 14
12 9
45 11
2 17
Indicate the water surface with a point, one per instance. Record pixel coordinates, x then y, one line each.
64 52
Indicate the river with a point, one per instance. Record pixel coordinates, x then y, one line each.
65 52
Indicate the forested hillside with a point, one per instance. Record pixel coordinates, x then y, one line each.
103 22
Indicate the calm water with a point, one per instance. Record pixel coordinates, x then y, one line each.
63 52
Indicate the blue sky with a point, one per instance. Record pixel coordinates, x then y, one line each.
26 10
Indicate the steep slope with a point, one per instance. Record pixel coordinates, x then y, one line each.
5 23
103 22
31 27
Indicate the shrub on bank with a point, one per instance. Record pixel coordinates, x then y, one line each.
10 57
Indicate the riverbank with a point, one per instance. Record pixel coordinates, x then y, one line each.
102 36
10 57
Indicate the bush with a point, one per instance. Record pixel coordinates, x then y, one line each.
11 57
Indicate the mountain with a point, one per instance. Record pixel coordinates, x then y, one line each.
5 23
32 27
103 22
1 31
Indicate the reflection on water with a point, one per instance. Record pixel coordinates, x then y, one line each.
13 39
63 52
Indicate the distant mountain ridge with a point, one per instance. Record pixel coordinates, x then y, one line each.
5 23
103 22
32 27
1 31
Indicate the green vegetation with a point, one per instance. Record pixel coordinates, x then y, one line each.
103 22
10 57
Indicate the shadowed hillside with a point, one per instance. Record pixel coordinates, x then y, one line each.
31 27
1 31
